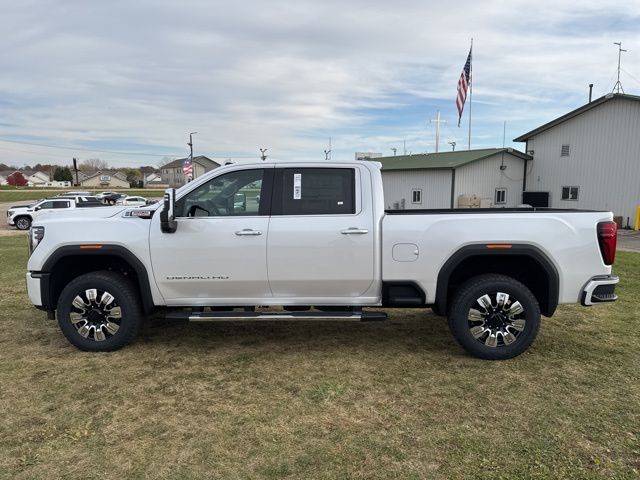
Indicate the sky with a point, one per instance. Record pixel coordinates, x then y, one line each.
135 77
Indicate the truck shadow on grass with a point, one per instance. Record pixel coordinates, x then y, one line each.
412 331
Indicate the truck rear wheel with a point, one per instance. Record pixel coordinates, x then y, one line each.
494 317
99 311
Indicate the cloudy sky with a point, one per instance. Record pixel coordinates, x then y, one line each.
137 76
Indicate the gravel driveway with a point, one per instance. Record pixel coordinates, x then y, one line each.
5 229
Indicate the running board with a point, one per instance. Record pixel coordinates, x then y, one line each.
354 316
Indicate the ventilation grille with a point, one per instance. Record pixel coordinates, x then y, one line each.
564 151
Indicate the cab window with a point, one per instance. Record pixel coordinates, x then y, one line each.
238 193
317 191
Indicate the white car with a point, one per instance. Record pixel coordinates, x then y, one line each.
101 195
320 245
132 202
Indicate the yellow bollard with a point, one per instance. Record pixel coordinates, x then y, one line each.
636 225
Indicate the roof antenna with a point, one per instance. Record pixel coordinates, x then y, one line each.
262 154
617 88
504 136
327 153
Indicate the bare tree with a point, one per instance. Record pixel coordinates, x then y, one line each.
93 164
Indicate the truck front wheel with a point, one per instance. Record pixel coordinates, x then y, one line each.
22 223
99 311
494 317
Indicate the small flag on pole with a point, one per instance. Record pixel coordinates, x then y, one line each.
187 167
463 86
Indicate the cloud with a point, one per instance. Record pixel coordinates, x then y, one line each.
139 75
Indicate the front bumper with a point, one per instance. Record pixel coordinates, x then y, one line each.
600 289
34 288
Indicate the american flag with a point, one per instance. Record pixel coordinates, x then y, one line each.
463 86
187 167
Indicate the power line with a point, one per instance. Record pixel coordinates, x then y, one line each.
82 149
113 152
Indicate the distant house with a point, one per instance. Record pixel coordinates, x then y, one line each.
105 180
154 180
588 158
27 174
37 179
173 175
492 176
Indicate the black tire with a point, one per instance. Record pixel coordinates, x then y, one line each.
92 326
22 223
494 332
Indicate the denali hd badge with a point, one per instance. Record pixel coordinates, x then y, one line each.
197 277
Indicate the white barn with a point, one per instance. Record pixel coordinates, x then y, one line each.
439 180
589 158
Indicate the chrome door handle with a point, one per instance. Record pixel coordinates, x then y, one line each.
248 231
354 231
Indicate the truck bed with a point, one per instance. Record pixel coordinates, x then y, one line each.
440 211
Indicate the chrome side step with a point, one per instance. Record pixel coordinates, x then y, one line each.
352 316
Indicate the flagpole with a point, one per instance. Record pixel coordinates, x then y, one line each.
470 90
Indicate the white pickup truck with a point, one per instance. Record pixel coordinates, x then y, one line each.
22 216
314 239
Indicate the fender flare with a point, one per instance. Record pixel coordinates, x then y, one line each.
526 250
105 250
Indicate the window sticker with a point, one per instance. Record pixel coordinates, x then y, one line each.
297 186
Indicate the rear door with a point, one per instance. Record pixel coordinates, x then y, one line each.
321 234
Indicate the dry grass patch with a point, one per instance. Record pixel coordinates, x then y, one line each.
319 400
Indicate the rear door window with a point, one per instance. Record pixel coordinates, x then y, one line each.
316 191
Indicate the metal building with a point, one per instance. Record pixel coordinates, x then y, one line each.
492 176
588 158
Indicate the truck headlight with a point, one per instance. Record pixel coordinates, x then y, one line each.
9 213
36 234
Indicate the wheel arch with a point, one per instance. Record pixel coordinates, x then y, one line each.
22 215
70 261
526 263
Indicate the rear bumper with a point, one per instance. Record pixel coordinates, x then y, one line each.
600 289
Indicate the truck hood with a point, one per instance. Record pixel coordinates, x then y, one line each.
79 213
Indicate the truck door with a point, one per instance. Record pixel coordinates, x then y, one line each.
321 235
217 255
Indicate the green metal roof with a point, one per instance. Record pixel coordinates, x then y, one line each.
575 113
443 160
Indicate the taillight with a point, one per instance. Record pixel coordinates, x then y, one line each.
607 236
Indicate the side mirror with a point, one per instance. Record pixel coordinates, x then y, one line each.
37 208
168 222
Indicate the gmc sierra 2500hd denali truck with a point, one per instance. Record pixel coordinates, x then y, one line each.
314 238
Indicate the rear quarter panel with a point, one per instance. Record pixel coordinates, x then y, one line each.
568 239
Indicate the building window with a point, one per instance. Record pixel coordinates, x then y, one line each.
416 196
501 196
564 151
570 193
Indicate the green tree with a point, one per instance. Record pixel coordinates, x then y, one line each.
62 174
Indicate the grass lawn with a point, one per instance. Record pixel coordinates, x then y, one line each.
392 400
24 194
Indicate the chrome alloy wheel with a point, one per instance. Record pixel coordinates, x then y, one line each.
496 319
23 223
95 315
